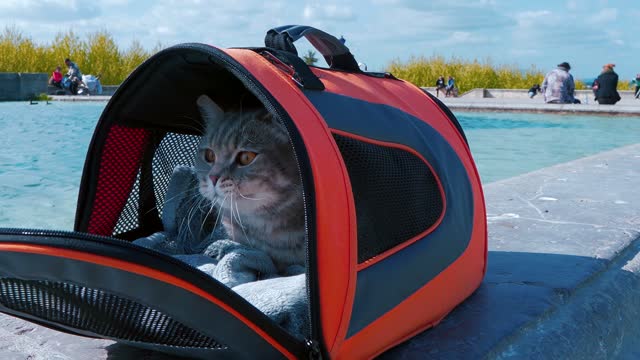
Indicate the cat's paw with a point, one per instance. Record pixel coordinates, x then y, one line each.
220 248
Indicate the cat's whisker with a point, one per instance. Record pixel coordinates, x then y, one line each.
206 216
190 214
248 198
231 213
219 214
173 197
189 242
189 126
242 226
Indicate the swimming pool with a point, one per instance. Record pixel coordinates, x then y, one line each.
44 146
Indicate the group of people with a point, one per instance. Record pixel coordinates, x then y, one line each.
449 89
75 81
558 86
74 76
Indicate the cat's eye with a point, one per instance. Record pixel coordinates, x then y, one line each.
245 157
209 156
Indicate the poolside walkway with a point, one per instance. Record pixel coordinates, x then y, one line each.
514 100
626 107
504 100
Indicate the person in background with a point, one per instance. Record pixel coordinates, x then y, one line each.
558 86
534 90
439 85
607 93
74 74
56 78
451 84
637 82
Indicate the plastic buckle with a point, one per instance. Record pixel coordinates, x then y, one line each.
282 66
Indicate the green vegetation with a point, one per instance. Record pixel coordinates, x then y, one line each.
97 54
310 58
423 71
41 97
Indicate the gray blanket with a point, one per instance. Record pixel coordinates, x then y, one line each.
190 235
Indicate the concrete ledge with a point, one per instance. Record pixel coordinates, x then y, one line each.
623 108
522 94
81 98
563 280
107 90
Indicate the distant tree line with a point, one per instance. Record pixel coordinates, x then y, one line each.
96 54
472 74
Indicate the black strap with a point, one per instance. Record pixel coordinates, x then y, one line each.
306 77
333 50
302 74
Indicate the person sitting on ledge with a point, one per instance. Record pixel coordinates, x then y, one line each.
56 78
74 75
440 85
558 86
451 88
607 93
636 81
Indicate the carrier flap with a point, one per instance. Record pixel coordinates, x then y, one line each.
107 288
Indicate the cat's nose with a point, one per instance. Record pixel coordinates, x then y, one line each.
214 179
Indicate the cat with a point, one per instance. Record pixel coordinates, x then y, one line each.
247 169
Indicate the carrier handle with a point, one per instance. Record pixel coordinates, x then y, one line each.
333 50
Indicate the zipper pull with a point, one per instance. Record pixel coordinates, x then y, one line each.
314 349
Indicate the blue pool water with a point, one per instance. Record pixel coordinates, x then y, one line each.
43 149
508 144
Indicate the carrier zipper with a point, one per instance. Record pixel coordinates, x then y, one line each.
315 353
272 105
74 235
295 345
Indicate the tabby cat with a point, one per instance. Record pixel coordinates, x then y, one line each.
247 169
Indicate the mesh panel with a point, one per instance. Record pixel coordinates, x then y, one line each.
119 164
99 312
396 195
128 219
174 150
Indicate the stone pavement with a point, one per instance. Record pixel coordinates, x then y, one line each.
563 279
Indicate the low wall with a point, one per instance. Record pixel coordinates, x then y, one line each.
521 93
22 86
107 90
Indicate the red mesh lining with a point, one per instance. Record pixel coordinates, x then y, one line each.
121 157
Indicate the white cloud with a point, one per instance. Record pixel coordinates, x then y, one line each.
463 38
572 5
331 12
47 10
604 16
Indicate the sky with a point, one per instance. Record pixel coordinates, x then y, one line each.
543 33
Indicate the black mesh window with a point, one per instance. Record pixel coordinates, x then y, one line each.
153 180
99 312
396 194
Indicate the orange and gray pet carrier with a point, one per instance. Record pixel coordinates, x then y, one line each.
394 212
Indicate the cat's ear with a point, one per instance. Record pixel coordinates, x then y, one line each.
210 111
268 118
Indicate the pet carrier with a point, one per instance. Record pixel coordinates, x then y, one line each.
394 212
